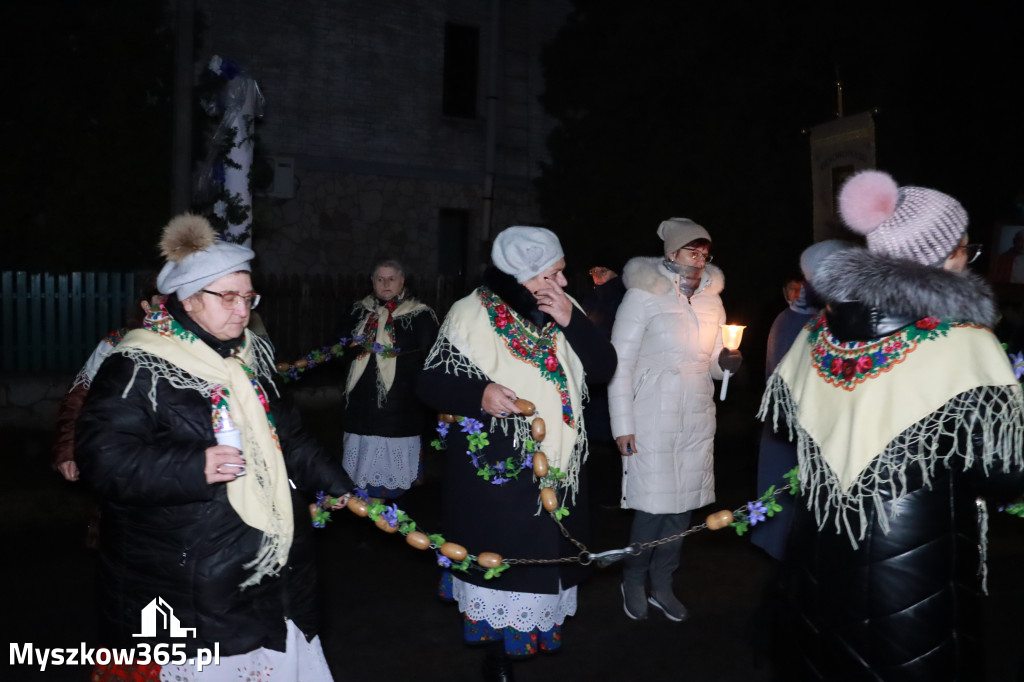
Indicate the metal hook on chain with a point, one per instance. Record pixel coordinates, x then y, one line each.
609 557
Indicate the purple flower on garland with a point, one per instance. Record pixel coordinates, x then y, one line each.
442 428
1018 364
442 560
359 338
377 348
498 480
471 426
391 515
473 458
528 461
757 511
320 497
500 466
319 522
362 495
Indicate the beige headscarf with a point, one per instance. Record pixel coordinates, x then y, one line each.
261 497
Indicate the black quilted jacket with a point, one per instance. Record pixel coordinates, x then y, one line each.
166 533
904 605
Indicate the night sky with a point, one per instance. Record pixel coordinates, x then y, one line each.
665 108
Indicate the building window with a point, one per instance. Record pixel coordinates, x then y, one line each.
452 236
461 57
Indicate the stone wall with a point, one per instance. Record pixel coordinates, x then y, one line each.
345 221
354 99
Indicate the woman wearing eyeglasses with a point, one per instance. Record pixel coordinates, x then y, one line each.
669 343
904 409
185 438
391 332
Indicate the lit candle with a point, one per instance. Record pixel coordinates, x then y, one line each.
732 334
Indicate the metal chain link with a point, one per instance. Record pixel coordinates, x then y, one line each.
586 557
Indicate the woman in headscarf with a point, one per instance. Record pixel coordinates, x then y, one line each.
904 409
517 337
669 341
390 334
195 457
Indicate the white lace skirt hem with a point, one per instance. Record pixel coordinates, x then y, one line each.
301 661
380 461
523 611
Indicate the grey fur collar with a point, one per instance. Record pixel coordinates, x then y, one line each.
648 274
904 288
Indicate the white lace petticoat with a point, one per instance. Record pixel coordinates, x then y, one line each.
380 461
523 611
301 661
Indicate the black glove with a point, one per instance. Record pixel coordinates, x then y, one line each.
730 360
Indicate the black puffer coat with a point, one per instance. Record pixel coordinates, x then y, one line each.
903 605
167 533
503 518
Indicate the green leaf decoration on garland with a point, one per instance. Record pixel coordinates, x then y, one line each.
793 479
495 572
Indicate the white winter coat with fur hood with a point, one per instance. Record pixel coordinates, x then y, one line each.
662 391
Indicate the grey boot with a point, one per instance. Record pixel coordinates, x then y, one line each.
669 605
634 601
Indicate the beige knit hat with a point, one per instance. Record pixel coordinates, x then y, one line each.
678 232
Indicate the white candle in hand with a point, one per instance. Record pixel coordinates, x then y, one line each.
732 334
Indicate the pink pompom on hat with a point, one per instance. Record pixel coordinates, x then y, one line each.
915 223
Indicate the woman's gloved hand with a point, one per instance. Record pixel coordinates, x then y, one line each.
730 360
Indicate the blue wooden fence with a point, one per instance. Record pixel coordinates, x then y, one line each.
52 322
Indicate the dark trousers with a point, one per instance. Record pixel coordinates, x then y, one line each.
655 565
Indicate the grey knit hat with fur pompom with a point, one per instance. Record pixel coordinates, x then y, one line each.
195 257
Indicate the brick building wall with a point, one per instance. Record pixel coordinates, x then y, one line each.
354 95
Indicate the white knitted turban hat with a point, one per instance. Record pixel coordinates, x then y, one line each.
525 252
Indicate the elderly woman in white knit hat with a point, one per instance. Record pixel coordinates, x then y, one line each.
904 409
517 337
668 338
185 438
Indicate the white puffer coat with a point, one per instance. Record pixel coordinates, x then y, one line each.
662 391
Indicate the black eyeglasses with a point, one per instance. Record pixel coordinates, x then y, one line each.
229 299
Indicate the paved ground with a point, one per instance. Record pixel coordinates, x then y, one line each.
382 621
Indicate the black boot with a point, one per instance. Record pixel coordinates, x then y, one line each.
497 664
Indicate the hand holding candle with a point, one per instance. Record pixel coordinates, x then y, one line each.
732 334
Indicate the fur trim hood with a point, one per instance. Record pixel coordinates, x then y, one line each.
647 273
904 288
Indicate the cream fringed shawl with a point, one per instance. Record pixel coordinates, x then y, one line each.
503 348
383 342
864 413
261 497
